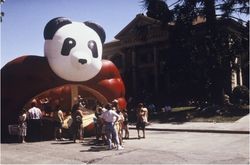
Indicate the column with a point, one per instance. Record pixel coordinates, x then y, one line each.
155 70
134 70
240 77
123 60
233 79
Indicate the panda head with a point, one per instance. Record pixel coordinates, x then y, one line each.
74 49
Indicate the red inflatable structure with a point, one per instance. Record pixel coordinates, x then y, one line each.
34 77
26 77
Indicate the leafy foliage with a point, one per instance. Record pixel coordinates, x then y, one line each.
240 95
158 9
204 55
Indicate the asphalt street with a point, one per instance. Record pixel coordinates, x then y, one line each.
159 147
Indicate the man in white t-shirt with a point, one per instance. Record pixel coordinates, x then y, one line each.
110 117
34 122
34 113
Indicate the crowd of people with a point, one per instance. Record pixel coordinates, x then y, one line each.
111 123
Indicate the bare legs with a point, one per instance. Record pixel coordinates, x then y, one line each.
143 133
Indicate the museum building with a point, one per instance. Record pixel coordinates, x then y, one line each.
138 51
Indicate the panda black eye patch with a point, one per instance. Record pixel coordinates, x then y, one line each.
92 46
68 44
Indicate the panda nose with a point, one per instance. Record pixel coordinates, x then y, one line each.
82 61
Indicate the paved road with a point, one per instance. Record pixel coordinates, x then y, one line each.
166 147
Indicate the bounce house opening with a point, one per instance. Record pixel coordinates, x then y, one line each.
66 96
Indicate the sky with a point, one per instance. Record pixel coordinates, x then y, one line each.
24 21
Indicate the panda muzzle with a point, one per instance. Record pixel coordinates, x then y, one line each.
82 61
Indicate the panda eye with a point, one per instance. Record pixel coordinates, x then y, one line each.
92 46
68 44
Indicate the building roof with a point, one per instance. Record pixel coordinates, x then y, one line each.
151 29
140 19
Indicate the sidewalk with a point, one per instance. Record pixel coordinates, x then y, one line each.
240 126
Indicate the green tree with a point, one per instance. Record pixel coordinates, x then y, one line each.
222 44
213 46
158 9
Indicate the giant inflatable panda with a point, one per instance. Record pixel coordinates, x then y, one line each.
73 55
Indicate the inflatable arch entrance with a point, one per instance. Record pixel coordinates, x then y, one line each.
22 83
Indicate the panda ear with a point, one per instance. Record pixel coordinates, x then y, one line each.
53 25
99 30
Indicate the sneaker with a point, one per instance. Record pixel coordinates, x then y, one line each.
120 147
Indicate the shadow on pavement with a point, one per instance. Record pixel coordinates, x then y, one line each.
63 142
133 138
94 146
95 149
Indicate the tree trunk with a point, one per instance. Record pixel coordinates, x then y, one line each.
209 7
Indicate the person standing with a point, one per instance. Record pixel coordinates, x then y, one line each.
142 119
110 117
99 125
46 107
34 122
125 124
23 125
59 118
118 126
119 123
76 126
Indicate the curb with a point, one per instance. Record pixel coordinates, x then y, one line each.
196 130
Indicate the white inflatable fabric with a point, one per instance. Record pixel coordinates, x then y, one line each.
75 52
